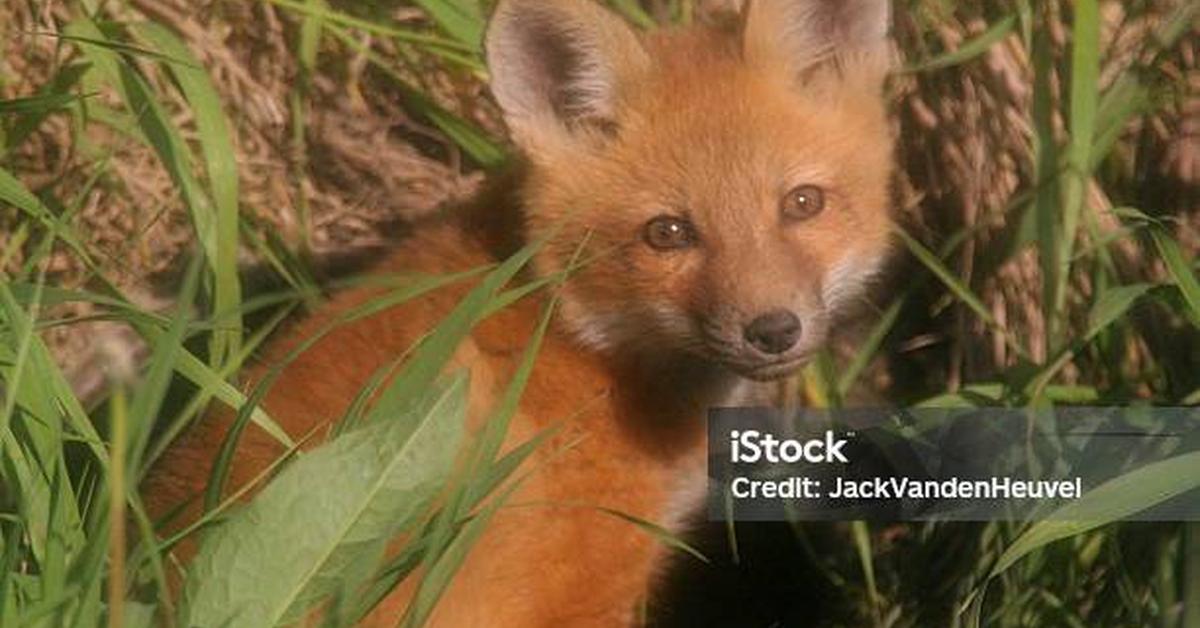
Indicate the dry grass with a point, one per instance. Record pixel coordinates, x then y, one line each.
965 147
344 177
333 162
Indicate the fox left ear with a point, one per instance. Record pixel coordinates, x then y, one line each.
806 35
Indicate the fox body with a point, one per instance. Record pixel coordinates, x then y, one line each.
731 179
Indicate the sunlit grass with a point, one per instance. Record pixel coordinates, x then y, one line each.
69 465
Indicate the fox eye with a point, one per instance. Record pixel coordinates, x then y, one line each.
803 202
666 233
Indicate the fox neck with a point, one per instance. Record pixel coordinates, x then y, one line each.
669 397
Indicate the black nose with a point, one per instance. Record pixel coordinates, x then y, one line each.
773 332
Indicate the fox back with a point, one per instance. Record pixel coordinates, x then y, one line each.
726 188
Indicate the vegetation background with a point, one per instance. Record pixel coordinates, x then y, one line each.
178 176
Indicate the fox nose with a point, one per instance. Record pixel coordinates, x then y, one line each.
773 332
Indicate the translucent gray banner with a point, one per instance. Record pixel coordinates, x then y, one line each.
976 464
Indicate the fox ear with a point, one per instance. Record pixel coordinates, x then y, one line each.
560 66
803 35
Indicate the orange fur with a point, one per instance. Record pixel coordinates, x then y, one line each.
694 123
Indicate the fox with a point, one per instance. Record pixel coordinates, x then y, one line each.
733 174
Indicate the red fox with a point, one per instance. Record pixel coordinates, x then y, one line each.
738 174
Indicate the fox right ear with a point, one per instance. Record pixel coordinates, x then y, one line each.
560 66
802 35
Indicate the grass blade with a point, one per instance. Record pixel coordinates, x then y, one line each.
462 19
1115 499
970 49
216 145
14 193
1046 201
1179 269
1085 80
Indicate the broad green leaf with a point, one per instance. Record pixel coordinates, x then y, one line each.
251 404
286 550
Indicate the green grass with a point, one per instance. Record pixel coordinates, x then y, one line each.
79 549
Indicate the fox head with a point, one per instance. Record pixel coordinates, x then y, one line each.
733 178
